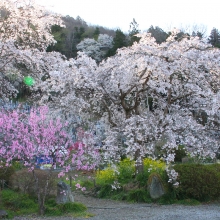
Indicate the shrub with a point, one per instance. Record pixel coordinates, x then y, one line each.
23 180
154 165
126 170
139 195
105 191
107 176
88 184
5 174
197 181
72 207
151 166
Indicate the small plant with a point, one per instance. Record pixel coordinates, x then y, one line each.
105 191
126 170
53 209
154 165
88 184
139 195
151 166
107 176
23 180
5 174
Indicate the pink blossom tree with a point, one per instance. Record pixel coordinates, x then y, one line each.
25 137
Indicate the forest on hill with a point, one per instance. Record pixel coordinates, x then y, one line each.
100 42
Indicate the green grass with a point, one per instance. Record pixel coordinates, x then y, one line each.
68 209
191 202
17 204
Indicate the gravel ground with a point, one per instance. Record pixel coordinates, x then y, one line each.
104 209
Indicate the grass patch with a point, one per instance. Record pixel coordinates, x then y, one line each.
191 202
69 209
17 204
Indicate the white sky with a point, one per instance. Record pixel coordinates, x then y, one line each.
119 13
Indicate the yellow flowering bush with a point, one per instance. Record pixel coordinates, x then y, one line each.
154 165
126 170
151 166
106 176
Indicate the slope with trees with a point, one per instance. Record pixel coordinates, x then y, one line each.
75 31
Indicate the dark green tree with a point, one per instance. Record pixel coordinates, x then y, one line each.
76 38
59 34
214 38
96 33
197 34
132 32
74 32
119 41
158 34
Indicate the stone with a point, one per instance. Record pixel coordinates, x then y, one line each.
3 214
155 186
64 194
185 160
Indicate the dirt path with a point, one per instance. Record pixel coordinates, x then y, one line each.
114 210
105 209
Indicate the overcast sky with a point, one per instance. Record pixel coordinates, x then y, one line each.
119 13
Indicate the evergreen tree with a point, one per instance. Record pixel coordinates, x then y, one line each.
214 38
59 34
77 38
197 34
119 41
132 32
96 33
158 34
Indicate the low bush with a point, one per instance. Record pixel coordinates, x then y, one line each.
198 181
139 195
126 171
120 182
5 174
105 191
23 180
88 184
151 166
106 176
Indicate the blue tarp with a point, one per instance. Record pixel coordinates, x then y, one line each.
42 159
